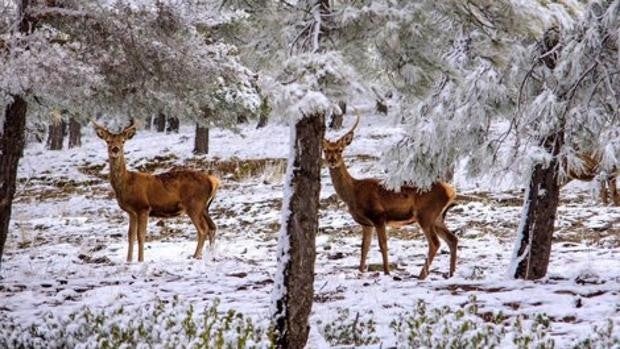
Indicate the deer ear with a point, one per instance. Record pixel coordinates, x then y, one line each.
101 132
346 139
324 143
129 132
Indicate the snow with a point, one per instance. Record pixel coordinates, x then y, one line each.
68 243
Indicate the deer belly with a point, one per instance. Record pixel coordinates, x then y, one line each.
166 211
399 224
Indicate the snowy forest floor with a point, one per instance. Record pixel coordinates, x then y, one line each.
68 241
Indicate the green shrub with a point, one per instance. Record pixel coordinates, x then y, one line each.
160 324
348 330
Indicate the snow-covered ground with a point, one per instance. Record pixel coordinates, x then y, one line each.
68 242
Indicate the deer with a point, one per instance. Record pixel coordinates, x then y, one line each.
374 206
163 195
590 171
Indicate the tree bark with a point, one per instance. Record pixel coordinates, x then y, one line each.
12 147
56 134
173 124
294 287
265 109
160 122
201 140
338 118
533 247
75 133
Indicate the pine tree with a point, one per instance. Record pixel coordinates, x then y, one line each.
92 58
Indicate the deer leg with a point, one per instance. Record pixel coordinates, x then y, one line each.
143 218
366 237
212 228
450 239
382 237
201 228
433 244
131 234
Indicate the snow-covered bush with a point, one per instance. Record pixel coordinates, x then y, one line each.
346 330
160 324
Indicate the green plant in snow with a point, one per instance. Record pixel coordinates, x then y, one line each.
350 330
162 324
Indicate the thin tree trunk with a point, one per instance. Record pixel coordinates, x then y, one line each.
265 109
533 247
173 125
294 287
56 134
201 140
12 147
75 133
160 122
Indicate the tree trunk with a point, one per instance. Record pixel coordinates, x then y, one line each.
160 122
201 140
56 134
12 147
75 133
533 247
338 118
294 287
173 125
265 109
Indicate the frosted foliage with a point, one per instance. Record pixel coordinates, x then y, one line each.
135 59
492 101
313 82
52 72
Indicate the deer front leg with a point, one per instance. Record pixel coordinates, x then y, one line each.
382 237
131 235
366 238
143 218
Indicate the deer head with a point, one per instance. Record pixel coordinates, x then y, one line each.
115 141
332 151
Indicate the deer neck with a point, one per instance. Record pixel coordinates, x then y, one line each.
343 183
118 173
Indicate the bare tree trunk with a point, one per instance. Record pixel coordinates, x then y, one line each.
75 133
56 134
160 122
533 247
12 147
338 118
173 124
294 287
201 140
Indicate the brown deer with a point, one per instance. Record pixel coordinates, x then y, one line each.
162 195
374 206
591 170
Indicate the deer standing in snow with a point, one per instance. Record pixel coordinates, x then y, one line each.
590 170
162 195
373 207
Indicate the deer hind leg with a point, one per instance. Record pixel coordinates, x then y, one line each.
382 237
366 237
143 218
202 229
132 234
428 227
450 239
212 228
